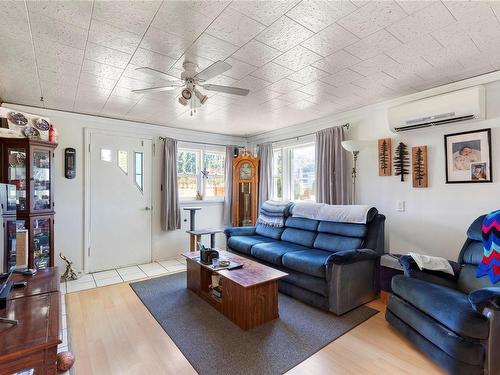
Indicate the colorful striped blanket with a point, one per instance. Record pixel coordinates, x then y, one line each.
274 213
490 264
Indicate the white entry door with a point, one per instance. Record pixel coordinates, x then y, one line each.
120 201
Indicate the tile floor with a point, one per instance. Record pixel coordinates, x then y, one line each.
126 274
64 346
119 275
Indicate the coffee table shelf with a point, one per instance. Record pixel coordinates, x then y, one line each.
249 294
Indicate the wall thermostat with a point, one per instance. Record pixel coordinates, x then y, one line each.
70 163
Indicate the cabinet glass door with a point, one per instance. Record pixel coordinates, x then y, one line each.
40 228
10 242
41 180
16 174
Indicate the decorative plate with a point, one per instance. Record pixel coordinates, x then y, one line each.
18 118
31 132
42 124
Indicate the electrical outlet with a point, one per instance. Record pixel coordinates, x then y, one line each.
401 206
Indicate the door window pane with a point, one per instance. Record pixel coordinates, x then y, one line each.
278 174
187 170
213 174
139 170
303 173
41 180
123 161
105 155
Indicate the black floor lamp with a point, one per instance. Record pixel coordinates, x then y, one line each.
354 147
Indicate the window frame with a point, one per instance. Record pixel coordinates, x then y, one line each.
287 169
201 184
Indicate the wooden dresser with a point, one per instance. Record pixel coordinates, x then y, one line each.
32 344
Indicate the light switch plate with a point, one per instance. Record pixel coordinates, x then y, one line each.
401 206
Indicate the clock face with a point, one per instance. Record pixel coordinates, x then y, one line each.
245 171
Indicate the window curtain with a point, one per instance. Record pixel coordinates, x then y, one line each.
265 155
332 182
170 210
227 217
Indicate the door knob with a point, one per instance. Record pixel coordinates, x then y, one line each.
147 208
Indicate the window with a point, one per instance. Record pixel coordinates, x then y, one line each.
294 176
213 173
139 170
200 170
278 174
303 173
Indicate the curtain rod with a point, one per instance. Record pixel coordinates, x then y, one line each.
200 143
345 126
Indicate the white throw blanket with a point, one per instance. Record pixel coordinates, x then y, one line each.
432 263
354 214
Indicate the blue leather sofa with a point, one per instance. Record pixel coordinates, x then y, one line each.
453 319
333 266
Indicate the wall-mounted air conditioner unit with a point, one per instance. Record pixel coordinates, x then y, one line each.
456 106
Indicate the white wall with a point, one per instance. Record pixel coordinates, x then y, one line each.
69 194
437 217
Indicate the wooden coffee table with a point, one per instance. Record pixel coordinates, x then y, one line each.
249 294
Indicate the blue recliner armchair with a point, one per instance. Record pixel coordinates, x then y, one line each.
453 319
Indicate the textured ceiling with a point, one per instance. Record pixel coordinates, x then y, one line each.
301 59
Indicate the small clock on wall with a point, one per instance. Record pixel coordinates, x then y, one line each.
245 189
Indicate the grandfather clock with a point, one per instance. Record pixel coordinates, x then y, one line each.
245 189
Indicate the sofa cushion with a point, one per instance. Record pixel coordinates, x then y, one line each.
311 262
472 253
298 236
343 229
474 232
269 231
449 307
467 350
332 242
302 223
243 244
469 282
272 252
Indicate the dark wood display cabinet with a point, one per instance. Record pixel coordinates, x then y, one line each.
28 164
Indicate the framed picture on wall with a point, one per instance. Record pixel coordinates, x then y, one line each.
468 156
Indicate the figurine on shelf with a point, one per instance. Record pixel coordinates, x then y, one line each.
198 196
52 134
70 273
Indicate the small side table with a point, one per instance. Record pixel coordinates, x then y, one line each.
195 236
389 267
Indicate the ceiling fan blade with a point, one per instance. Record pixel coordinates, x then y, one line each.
213 70
154 89
226 89
158 73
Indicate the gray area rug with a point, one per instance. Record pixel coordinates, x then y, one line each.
215 345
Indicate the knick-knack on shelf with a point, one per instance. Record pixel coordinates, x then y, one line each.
401 161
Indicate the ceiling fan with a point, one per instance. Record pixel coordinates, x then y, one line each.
191 80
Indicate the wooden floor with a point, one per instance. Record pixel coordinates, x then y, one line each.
112 332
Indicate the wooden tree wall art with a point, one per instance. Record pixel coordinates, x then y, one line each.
401 161
419 167
385 157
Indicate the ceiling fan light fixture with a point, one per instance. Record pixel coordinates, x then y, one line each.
186 94
202 98
183 100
